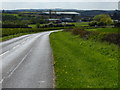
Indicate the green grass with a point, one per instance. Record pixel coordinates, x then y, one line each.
78 24
82 63
34 25
116 30
9 33
14 31
9 14
12 36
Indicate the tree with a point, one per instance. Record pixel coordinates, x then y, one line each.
103 19
93 23
38 25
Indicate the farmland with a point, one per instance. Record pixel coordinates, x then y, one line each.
8 33
109 30
78 24
17 24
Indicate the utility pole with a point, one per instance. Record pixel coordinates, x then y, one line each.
50 13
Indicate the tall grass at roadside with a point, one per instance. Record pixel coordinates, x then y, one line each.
83 63
110 35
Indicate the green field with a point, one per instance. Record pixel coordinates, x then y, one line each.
82 63
78 24
12 36
32 25
8 33
116 30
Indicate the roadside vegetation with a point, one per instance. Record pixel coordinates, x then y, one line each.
84 63
12 36
87 55
8 33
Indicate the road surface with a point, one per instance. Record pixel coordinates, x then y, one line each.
27 62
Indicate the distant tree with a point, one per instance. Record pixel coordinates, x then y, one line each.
117 24
116 15
38 25
3 11
103 19
9 17
93 23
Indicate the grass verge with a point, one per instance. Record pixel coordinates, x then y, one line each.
12 36
82 63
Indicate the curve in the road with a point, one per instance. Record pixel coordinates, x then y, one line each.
29 64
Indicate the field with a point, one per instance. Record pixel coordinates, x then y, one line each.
8 33
34 25
78 24
113 30
83 63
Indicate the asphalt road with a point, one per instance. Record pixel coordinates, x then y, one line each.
27 62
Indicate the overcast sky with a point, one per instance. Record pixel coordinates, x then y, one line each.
59 0
64 4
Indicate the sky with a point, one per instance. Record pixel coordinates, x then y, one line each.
64 4
60 0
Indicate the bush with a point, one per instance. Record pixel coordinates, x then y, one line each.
101 24
93 23
37 25
101 20
117 24
83 33
112 38
14 24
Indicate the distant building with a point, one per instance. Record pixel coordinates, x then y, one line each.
64 16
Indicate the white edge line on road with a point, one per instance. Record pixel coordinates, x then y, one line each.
16 66
15 46
20 63
4 53
12 49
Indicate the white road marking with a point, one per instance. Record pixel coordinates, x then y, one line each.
42 81
24 40
12 49
20 63
4 53
2 80
16 67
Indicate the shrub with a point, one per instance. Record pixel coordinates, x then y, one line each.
93 23
37 25
117 24
83 33
112 38
101 20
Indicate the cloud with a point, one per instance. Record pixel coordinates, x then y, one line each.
65 5
60 1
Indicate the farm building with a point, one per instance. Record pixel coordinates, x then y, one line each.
65 16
